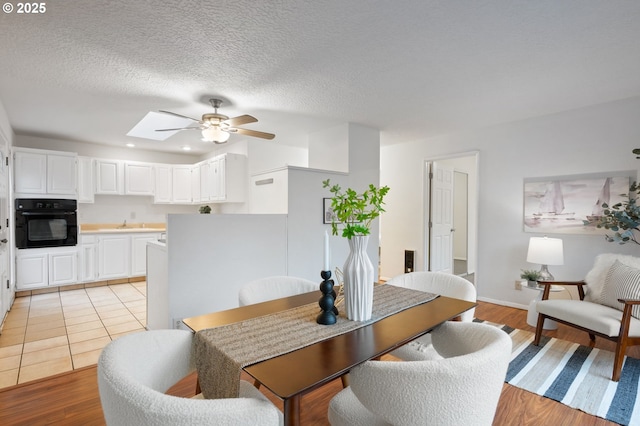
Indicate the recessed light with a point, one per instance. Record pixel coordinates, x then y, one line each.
186 148
131 145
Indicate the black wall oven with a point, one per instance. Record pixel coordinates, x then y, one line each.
46 223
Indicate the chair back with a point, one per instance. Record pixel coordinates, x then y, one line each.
440 283
596 277
461 389
135 370
269 288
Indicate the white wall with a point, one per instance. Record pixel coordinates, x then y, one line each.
329 149
588 140
211 256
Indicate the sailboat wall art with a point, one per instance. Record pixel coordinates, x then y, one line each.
571 204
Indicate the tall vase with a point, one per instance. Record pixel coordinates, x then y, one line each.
358 280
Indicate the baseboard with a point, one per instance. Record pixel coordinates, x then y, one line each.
504 303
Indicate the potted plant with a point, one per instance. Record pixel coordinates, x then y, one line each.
204 210
355 212
531 276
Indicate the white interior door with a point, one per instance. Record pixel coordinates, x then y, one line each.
6 293
441 217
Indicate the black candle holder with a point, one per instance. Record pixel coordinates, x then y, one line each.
329 313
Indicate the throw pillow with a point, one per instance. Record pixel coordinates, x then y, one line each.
621 282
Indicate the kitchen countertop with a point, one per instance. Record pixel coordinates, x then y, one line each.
111 228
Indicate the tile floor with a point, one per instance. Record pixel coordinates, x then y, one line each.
51 333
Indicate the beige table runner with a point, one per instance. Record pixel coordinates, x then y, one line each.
221 352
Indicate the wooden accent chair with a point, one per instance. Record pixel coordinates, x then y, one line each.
135 370
462 388
609 308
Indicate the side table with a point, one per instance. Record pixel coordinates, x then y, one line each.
532 314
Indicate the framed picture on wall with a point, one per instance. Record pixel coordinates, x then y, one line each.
328 215
572 204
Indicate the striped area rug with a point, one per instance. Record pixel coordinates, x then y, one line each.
575 375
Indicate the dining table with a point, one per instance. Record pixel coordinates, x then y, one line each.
291 375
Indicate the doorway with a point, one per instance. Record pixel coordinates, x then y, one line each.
460 223
451 214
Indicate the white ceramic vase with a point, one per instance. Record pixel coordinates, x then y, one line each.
358 280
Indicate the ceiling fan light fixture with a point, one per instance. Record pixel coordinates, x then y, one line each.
214 134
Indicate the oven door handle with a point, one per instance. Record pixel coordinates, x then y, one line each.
46 214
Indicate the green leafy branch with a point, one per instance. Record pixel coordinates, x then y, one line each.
622 218
355 211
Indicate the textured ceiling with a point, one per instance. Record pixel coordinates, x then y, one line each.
89 71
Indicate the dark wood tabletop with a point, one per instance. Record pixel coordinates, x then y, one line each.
291 375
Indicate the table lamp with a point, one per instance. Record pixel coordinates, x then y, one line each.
545 251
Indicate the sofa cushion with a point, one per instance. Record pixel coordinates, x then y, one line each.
592 316
622 282
595 278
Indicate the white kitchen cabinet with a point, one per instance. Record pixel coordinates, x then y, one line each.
203 168
139 252
32 269
227 178
38 268
109 177
86 180
87 252
196 195
44 172
114 256
139 178
163 183
63 267
30 172
181 184
61 174
214 179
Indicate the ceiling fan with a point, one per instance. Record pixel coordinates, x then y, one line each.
218 127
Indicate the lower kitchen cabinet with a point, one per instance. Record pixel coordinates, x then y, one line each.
88 251
123 255
113 256
37 268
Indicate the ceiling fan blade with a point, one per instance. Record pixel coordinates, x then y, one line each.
179 115
181 128
254 133
240 120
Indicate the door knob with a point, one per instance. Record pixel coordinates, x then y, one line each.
4 241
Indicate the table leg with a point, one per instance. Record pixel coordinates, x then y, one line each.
292 411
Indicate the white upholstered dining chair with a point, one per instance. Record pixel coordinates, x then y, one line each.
135 370
269 288
432 282
462 388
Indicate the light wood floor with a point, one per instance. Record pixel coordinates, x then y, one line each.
51 333
72 398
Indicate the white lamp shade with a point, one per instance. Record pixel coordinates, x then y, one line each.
545 251
214 134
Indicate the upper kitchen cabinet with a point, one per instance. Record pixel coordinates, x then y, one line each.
138 178
109 177
116 177
226 178
45 172
86 180
181 184
163 183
